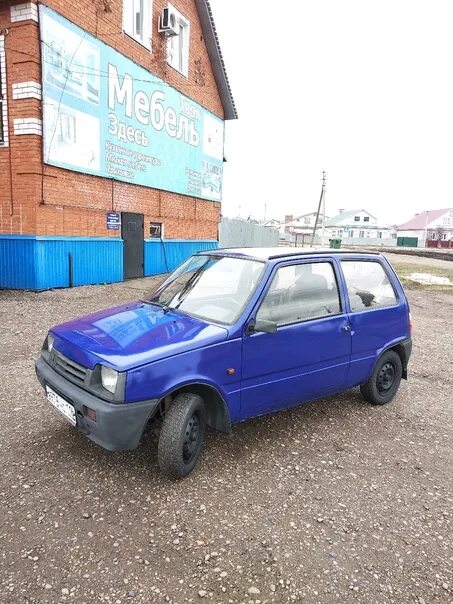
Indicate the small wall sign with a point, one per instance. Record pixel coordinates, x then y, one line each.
113 221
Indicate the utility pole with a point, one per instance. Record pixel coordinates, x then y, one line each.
321 206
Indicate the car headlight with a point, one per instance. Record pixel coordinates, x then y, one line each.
50 341
109 379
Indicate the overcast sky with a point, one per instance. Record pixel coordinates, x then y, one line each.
361 89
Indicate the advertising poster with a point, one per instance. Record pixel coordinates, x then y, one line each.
105 115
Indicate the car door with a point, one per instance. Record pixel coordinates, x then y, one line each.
378 314
308 355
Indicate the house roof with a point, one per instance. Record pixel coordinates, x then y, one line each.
215 55
346 215
422 220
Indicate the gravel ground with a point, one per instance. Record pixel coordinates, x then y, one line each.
335 501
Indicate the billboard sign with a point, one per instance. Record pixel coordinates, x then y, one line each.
105 115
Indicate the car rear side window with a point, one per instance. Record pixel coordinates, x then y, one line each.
299 292
368 285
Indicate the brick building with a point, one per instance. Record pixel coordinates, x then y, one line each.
111 138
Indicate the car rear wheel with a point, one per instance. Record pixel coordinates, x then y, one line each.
182 435
385 379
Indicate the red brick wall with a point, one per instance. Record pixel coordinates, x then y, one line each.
45 200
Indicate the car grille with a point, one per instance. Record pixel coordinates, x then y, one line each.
70 369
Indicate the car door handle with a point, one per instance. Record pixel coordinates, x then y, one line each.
346 328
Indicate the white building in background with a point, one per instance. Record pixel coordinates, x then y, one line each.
356 227
357 224
297 230
433 228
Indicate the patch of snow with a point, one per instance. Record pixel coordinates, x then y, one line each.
429 279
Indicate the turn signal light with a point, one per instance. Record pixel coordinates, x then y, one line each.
91 413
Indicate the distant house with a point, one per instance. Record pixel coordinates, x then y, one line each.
433 228
297 229
272 223
357 224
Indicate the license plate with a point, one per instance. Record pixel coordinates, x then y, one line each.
61 405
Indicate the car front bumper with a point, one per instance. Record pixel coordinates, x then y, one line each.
118 426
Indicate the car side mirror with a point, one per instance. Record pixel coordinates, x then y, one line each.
261 325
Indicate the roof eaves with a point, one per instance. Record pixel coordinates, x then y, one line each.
215 55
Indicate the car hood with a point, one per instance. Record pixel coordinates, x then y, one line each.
133 334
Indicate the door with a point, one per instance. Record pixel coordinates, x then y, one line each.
132 232
378 315
308 355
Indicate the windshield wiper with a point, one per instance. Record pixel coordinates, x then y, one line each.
164 307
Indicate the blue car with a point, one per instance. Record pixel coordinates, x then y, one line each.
231 334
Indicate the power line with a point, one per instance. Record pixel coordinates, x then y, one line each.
104 74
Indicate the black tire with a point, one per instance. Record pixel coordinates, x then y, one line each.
385 379
182 435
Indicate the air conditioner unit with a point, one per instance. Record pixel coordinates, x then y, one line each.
168 22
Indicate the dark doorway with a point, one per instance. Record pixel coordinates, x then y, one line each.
133 247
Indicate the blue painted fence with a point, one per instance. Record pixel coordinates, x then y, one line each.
164 256
33 262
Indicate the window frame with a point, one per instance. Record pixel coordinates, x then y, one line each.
3 96
183 66
2 125
272 276
131 33
387 274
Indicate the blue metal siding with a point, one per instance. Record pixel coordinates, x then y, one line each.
96 260
43 262
176 251
34 262
17 262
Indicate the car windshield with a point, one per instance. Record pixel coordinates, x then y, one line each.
214 288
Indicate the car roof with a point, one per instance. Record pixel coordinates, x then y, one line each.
272 253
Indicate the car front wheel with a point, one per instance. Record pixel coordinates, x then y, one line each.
182 435
385 379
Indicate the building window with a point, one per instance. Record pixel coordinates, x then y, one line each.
356 218
2 131
366 219
379 234
178 46
433 236
444 236
351 233
362 234
137 20
3 115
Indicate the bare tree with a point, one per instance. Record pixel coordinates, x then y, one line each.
439 235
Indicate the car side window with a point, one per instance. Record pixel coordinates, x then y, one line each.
368 285
299 292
